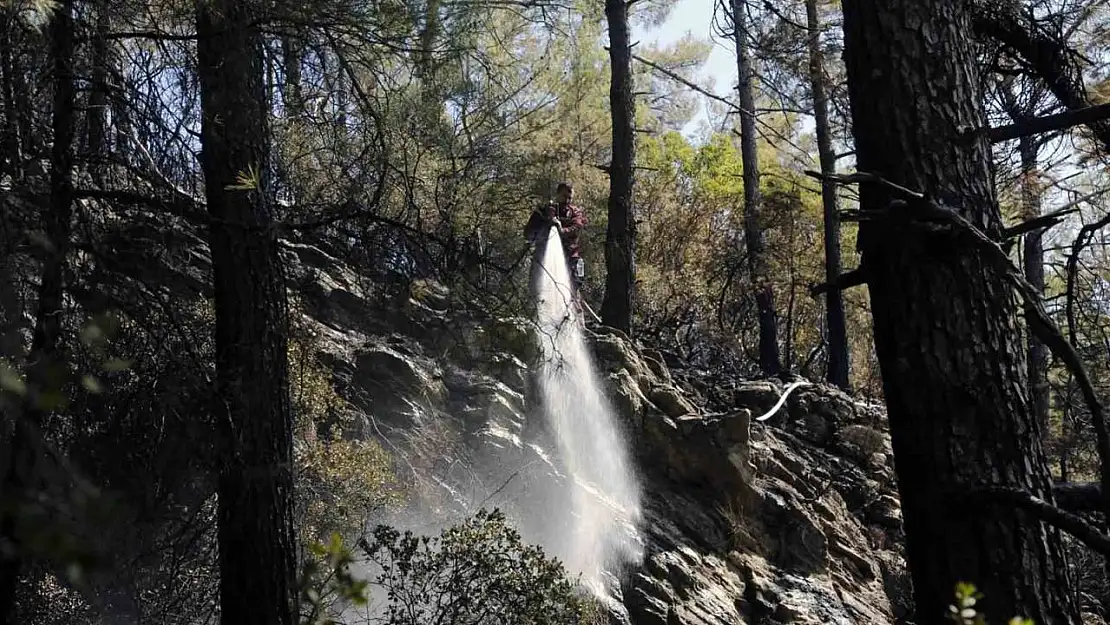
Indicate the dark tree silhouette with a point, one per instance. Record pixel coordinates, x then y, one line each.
769 359
620 237
837 372
20 447
256 536
946 320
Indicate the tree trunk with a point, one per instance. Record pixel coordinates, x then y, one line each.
620 237
11 157
429 36
24 91
121 114
946 321
97 116
256 539
292 95
758 269
46 355
838 366
1034 273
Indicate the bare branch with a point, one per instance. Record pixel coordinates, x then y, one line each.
1046 512
844 281
1039 125
1037 223
1078 497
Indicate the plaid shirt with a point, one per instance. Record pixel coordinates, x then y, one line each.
572 218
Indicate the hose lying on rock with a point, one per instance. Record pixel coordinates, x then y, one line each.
782 399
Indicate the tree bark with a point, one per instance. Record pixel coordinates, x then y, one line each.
11 158
256 538
758 269
97 116
46 357
838 365
1033 259
292 56
429 36
620 236
945 321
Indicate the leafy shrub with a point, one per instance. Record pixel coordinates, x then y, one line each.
340 481
478 572
963 612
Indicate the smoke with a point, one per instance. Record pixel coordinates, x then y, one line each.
597 530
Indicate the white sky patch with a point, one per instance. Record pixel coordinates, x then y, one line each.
695 17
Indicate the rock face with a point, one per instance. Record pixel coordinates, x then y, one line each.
755 523
793 521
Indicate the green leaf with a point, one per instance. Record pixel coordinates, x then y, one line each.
92 334
116 365
11 380
52 400
91 384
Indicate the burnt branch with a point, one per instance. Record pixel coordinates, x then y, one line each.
1042 510
1038 223
1087 116
1078 497
1041 53
844 281
1045 221
1072 270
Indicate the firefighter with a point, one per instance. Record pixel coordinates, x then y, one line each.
569 220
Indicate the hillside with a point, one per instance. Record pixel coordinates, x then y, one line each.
795 520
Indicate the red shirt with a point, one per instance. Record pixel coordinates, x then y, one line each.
572 218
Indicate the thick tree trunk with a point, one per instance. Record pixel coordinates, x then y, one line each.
837 371
946 321
758 268
256 538
620 238
1034 273
46 357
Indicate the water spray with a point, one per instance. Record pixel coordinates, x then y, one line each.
599 526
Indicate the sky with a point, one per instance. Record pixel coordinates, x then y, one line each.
695 17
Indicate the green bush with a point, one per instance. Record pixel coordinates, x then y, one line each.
341 481
478 572
963 612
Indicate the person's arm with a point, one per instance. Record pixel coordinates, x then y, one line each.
535 223
577 222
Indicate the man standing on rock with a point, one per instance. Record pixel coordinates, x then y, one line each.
570 220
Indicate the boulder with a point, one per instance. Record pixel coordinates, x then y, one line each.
671 401
867 446
429 293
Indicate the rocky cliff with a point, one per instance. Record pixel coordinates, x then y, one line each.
792 521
